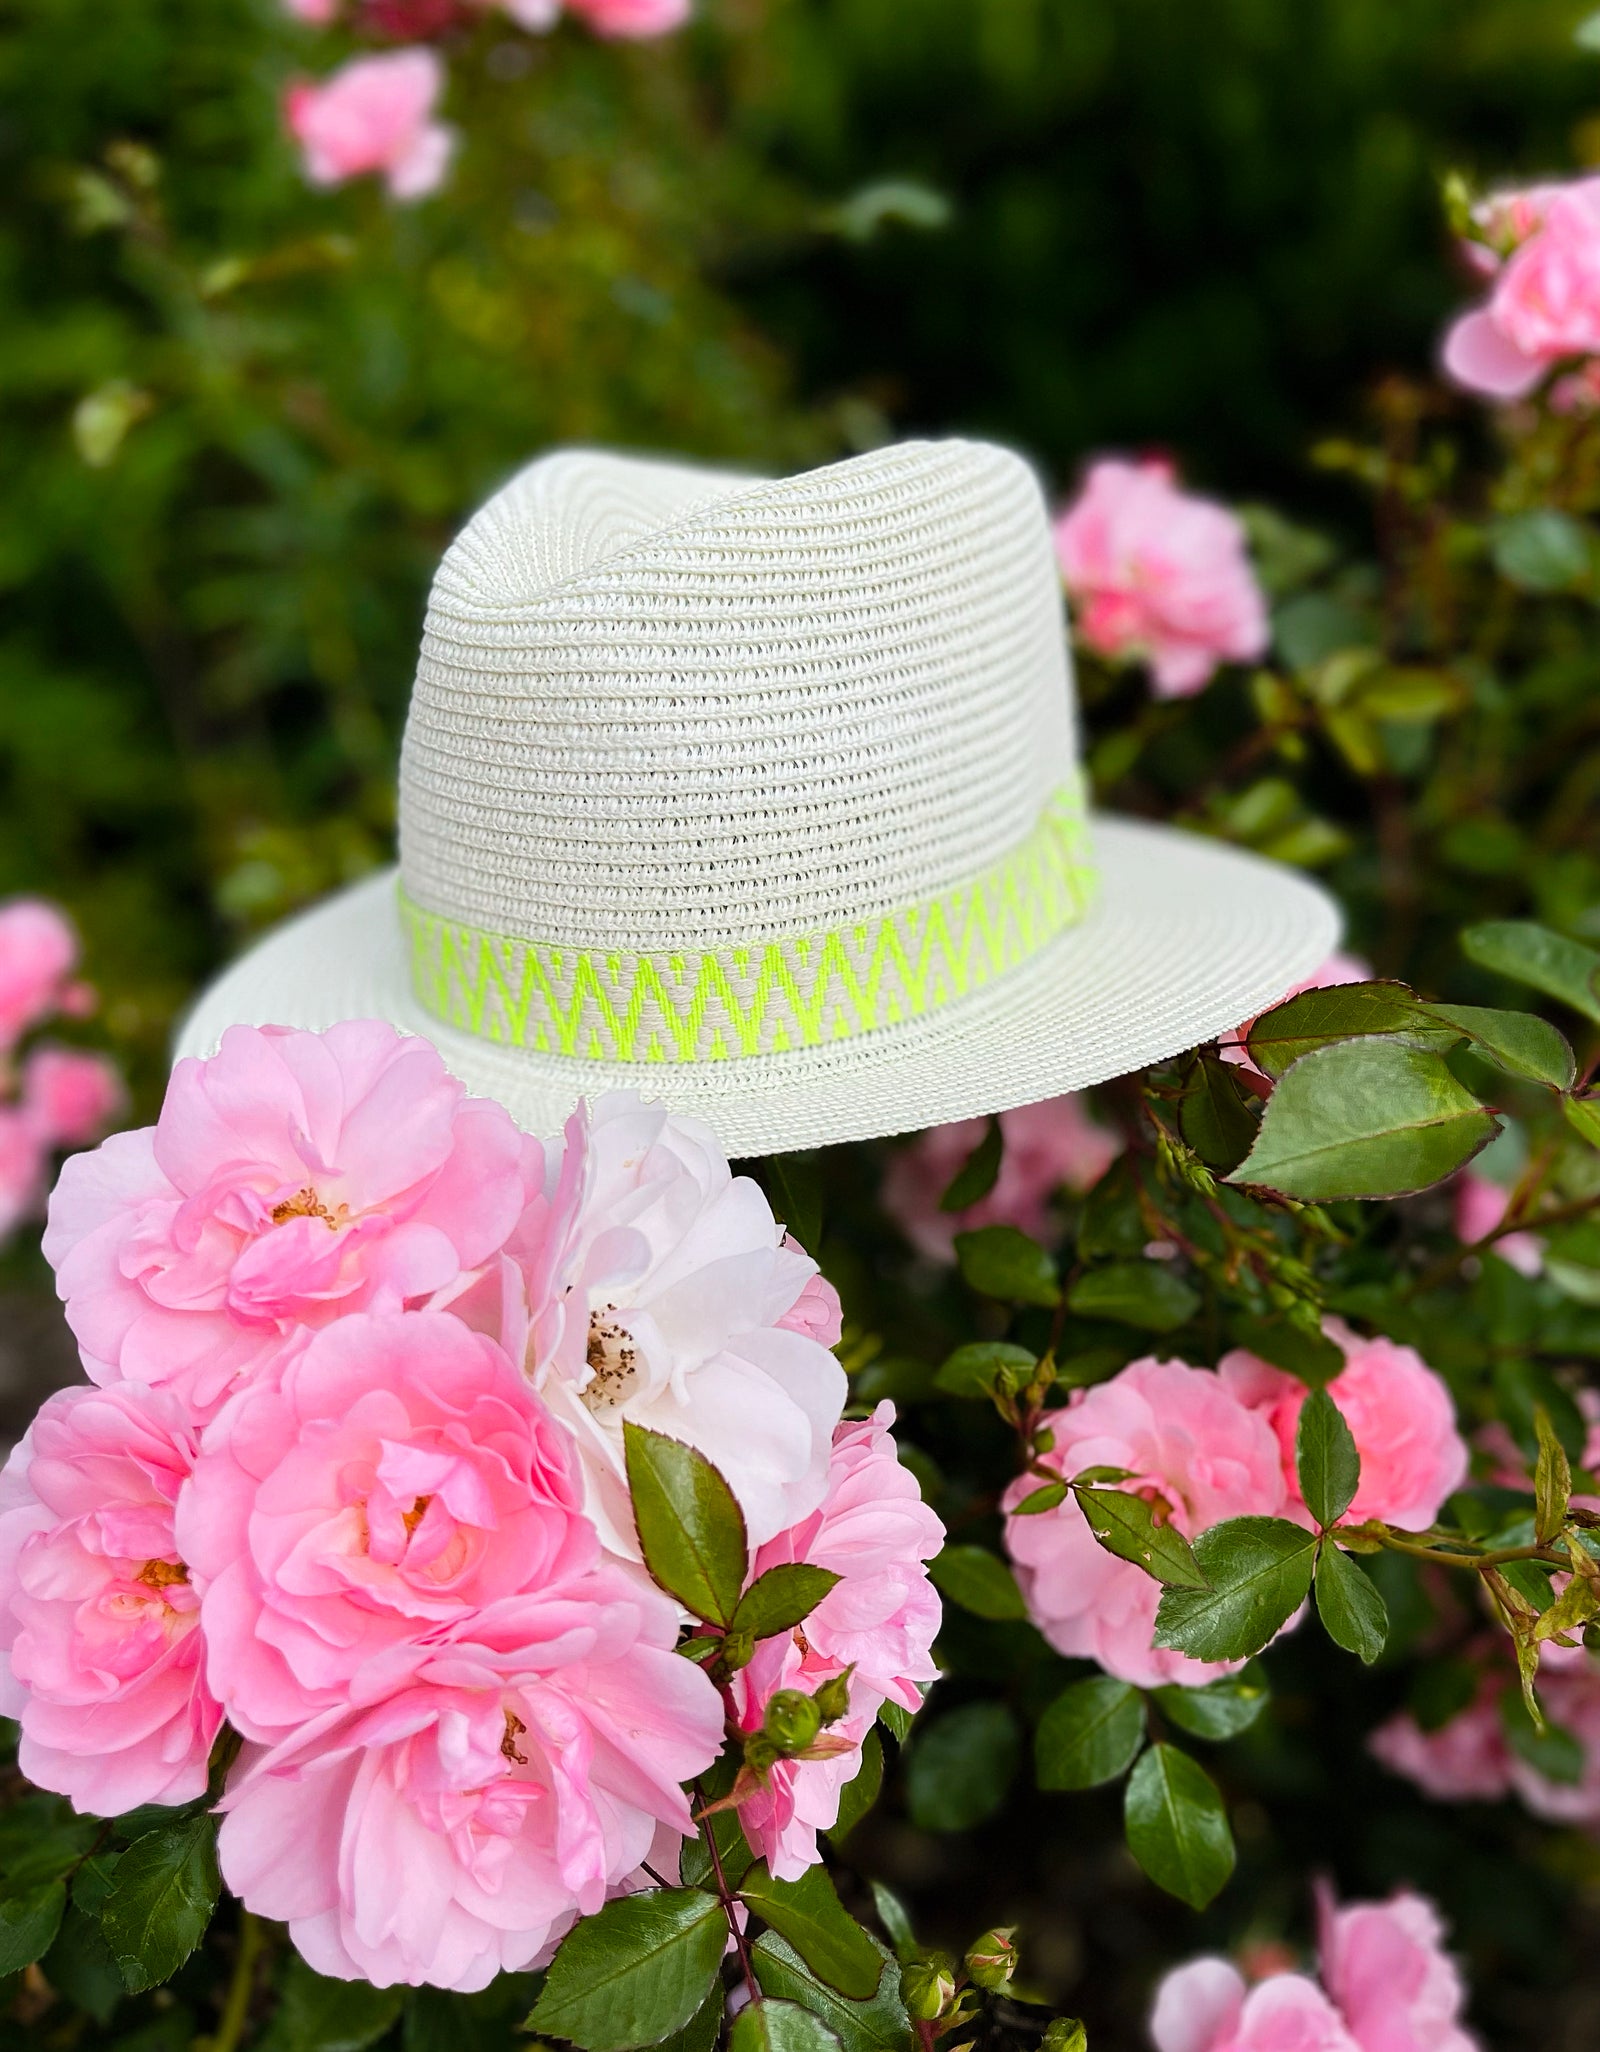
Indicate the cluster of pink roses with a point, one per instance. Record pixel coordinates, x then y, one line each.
1206 1445
1539 251
52 1097
376 114
1386 1985
350 1476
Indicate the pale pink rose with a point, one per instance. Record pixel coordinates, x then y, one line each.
874 1531
69 1098
617 18
1158 574
455 1829
816 1311
1205 2007
38 952
1047 1147
647 1282
290 1179
318 13
1400 1415
373 115
1337 970
22 1165
1465 1760
1544 301
394 1479
1480 1206
1193 1449
1385 1965
98 1621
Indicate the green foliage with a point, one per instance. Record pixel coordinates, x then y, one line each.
781 1598
977 1174
1128 1526
979 1581
1350 1607
1258 1572
691 1530
1001 1262
781 2027
315 2014
877 2025
162 1895
1177 1826
961 1765
809 1914
1326 1461
1089 1734
635 1972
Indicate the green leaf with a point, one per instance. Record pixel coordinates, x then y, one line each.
1214 1114
1113 1220
1047 1497
440 2020
1000 1262
795 1188
80 1967
972 1370
634 1972
318 2015
959 1769
1177 1827
816 1923
978 1174
1521 1043
1583 1116
1089 1734
1260 1573
691 1531
880 2025
859 1794
1552 1479
29 1922
1587 34
1543 960
1541 550
782 1598
979 1581
1126 1526
1221 1709
1326 1459
161 1900
699 2034
1365 1118
1352 1611
1347 1011
1554 1752
1146 1294
694 1862
892 1915
769 2026
897 1718
1301 1350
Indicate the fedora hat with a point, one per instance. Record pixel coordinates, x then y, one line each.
763 797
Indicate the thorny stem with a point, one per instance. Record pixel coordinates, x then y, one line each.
725 1897
236 2004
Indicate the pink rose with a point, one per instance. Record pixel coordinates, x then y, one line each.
1464 1760
457 1828
648 1282
1400 1415
395 1479
1385 1965
318 13
290 1179
102 1658
1338 969
68 1097
38 952
1160 575
22 1161
1194 1451
1480 1206
874 1531
816 1311
1205 2007
1046 1147
1569 1689
1544 301
617 18
372 114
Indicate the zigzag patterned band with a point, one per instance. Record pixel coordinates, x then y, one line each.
727 1002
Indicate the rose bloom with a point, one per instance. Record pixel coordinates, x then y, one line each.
1337 970
1192 1448
456 1828
396 1478
1385 1965
1158 574
290 1179
38 952
98 1619
1400 1416
373 114
874 1531
631 17
1569 1689
1047 1147
69 1098
647 1282
22 1160
1464 1760
1480 1206
1544 301
1206 2007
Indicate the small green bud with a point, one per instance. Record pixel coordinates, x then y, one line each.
738 1649
761 1755
928 1986
992 1960
793 1720
833 1697
1066 2034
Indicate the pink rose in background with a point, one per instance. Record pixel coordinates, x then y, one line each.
1047 1147
1464 1760
395 1479
102 1659
1480 1206
1385 1965
22 1163
874 1531
68 1097
1400 1415
1158 574
1544 300
456 1829
317 13
1191 1447
1206 2007
291 1178
373 115
1569 1689
1338 969
38 953
618 18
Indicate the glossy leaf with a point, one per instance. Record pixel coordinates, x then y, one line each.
979 1581
972 1370
1177 1826
1215 1115
960 1767
161 1900
978 1174
816 1923
1146 1294
877 2025
769 2026
691 1530
859 1794
1352 1611
1347 1011
634 1972
1089 1734
1126 1525
1534 955
782 1598
1326 1459
892 1915
29 1921
1000 1262
1259 1570
1221 1709
1552 1479
1521 1043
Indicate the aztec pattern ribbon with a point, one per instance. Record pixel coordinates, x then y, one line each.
719 1004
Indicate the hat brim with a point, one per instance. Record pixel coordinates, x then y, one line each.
1188 939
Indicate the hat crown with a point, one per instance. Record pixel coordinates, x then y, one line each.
660 707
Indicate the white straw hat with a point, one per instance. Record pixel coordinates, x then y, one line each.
763 798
